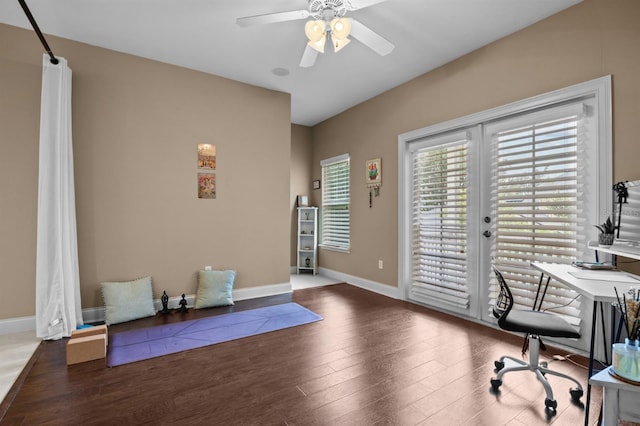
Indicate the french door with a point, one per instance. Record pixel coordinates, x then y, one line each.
505 187
538 200
444 235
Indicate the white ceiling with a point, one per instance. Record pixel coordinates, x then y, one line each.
203 35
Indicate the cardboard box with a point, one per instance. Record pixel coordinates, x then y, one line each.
87 344
90 331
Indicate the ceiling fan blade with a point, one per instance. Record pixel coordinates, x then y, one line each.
308 57
361 4
371 39
271 18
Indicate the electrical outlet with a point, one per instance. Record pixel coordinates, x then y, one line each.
380 264
207 268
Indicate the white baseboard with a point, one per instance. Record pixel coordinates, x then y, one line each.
96 314
92 315
262 291
17 325
376 287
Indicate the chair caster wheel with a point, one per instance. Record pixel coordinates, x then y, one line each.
499 365
495 384
551 404
576 394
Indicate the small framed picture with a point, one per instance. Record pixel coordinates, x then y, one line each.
206 156
374 172
207 185
303 201
316 184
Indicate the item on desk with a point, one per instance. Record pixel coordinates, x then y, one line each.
626 360
611 276
607 231
633 312
593 265
629 310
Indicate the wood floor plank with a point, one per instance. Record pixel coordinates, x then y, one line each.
372 360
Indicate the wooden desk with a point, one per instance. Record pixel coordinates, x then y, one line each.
599 291
619 399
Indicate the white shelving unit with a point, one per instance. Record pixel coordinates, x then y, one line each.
307 240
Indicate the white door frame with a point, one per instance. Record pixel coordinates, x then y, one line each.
599 88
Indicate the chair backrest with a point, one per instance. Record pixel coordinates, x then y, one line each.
504 302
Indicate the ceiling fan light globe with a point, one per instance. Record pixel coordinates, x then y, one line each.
318 45
341 28
339 43
315 30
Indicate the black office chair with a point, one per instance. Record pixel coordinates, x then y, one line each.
534 324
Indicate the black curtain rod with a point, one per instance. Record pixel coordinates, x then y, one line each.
34 24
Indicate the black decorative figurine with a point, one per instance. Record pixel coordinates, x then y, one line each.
623 194
183 304
165 303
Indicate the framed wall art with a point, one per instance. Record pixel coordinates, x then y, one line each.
374 173
207 185
374 178
206 156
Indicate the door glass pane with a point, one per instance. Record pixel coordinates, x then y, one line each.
536 200
440 224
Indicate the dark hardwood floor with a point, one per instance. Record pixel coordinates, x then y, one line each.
371 361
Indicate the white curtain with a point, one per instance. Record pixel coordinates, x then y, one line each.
58 309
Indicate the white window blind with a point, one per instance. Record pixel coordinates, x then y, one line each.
336 227
537 198
439 223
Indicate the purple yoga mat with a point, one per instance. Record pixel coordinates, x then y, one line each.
138 345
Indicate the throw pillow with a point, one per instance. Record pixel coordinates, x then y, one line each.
215 288
128 300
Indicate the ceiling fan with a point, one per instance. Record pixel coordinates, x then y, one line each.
327 16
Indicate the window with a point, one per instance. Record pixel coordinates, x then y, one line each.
440 231
335 217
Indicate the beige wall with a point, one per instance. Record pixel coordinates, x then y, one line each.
590 40
301 158
19 131
136 126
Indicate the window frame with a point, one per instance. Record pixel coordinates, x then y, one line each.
344 248
599 89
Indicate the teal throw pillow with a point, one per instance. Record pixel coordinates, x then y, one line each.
127 300
215 288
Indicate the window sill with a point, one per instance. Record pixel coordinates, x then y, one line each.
336 249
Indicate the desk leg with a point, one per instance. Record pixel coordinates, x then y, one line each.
591 347
535 302
604 335
617 321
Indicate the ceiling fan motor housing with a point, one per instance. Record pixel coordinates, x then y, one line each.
327 9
